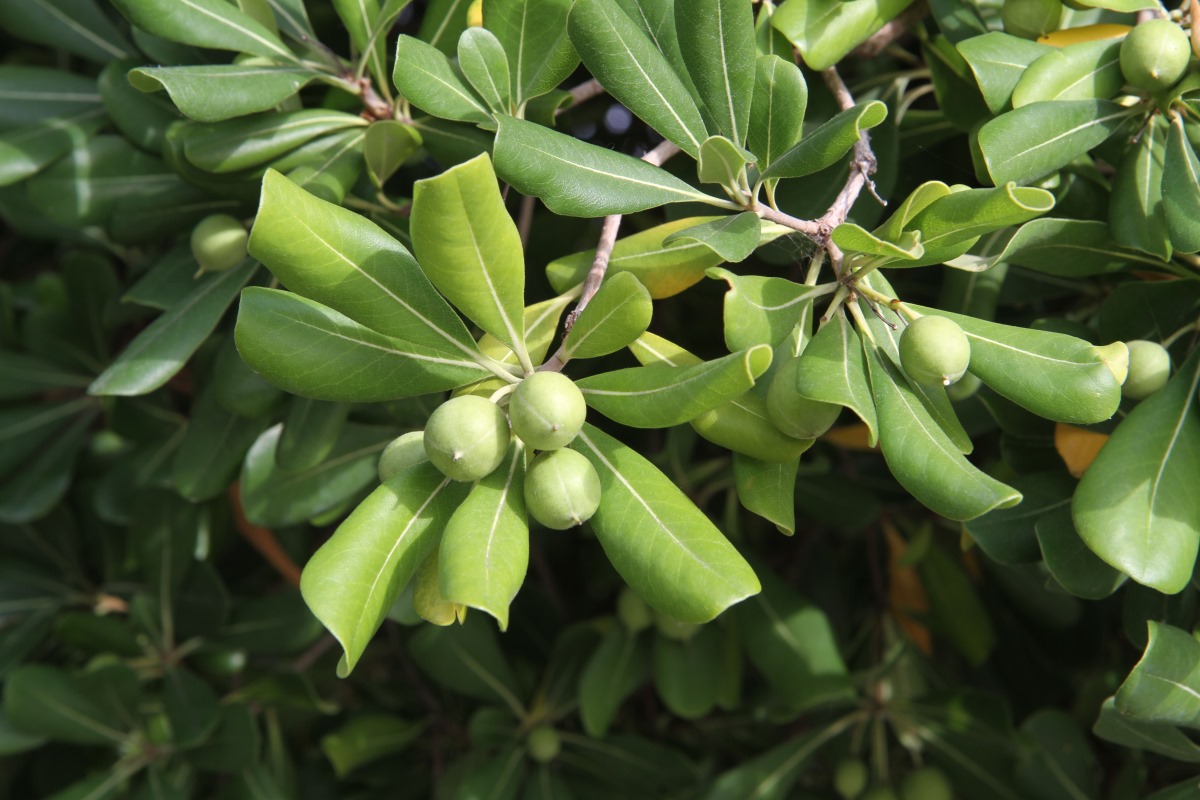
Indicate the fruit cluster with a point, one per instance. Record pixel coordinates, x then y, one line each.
468 436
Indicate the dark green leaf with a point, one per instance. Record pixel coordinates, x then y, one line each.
534 36
1181 190
205 23
1070 561
212 93
998 61
48 701
76 26
1136 215
1165 685
367 738
716 40
615 670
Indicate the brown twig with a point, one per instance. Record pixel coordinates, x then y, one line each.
525 219
375 107
581 94
263 540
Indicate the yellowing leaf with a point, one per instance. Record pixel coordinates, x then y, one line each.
1084 33
850 437
1077 446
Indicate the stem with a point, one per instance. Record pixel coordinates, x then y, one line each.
525 219
582 93
814 268
263 540
1191 326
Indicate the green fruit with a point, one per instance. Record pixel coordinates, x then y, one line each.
850 778
400 454
543 744
632 611
926 783
1155 55
1149 369
547 410
1030 19
562 489
219 242
797 416
934 351
466 437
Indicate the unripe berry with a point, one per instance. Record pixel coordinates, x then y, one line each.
934 351
547 410
1155 55
1030 19
926 783
793 414
1149 369
543 744
466 437
850 778
219 242
400 454
562 489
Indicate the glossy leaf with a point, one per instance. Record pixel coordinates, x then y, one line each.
426 77
617 314
469 247
205 23
1070 561
626 61
352 580
824 31
777 111
216 92
1053 375
1037 139
32 94
733 238
1136 215
310 431
856 241
485 547
959 217
834 370
51 702
164 347
662 396
1007 535
1134 504
656 538
482 61
26 150
1083 71
998 61
1163 686
767 489
919 199
921 455
344 261
721 161
827 144
1167 740
761 310
534 36
1070 248
360 18
1181 190
309 349
716 41
76 26
551 166
247 142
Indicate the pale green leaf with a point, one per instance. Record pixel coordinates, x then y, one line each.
617 314
721 161
1165 685
425 76
733 238
238 144
834 370
827 144
1113 726
388 144
534 36
1083 71
483 63
779 104
767 489
824 31
998 61
761 310
216 92
205 23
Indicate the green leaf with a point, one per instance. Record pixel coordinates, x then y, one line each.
485 547
687 674
767 489
1181 189
24 375
1136 214
625 60
30 94
1135 504
341 260
51 702
388 144
483 63
353 579
855 241
962 216
998 61
27 150
42 480
824 31
277 498
551 166
1058 761
212 449
1083 71
1070 248
164 347
780 101
791 642
534 36
761 310
1164 687
922 457
332 172
827 144
468 660
1040 138
1053 375
205 23
216 92
1007 534
721 161
617 314
425 76
662 396
310 430
958 613
733 238
834 370
770 775
309 349
366 738
664 270
614 671
234 745
191 708
656 538
469 247
716 40
360 18
77 26
252 141
1167 740
541 326
1070 561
